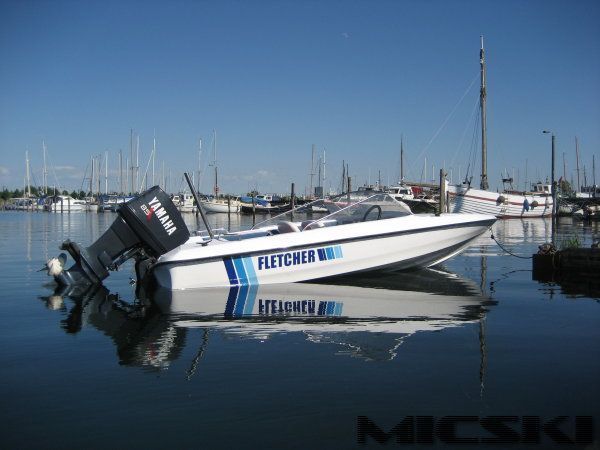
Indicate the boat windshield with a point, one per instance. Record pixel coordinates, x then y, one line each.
342 209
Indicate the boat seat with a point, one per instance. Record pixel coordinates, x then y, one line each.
311 225
287 227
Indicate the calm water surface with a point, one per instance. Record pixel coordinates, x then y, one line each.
475 337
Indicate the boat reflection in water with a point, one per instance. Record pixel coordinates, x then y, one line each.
367 322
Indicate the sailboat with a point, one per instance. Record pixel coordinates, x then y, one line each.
216 204
506 204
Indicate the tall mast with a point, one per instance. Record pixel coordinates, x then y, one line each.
27 173
131 159
153 156
577 158
92 176
137 161
106 172
319 173
45 174
312 170
401 158
99 165
199 162
215 162
120 171
323 171
482 98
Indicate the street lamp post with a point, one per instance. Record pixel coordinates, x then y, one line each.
554 205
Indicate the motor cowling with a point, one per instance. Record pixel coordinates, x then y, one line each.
149 224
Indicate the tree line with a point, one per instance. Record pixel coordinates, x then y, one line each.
7 194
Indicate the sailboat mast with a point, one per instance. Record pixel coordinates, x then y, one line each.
401 158
199 162
137 162
120 172
153 156
323 171
482 99
45 176
92 176
106 172
215 162
577 158
131 159
312 170
27 173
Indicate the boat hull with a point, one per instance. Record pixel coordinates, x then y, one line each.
502 205
403 243
66 207
221 206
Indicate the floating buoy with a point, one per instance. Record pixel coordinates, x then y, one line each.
500 200
534 204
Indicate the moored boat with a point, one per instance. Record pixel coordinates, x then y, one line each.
221 205
64 203
506 204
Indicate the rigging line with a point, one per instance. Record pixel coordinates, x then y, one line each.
448 117
508 251
53 171
474 153
84 176
462 138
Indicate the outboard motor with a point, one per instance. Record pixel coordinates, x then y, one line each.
147 227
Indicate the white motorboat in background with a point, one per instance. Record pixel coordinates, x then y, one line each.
112 202
372 233
64 203
184 202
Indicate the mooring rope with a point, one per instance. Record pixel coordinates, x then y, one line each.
508 251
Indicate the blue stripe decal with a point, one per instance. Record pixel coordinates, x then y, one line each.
249 266
239 268
233 280
250 300
338 308
329 251
241 302
330 308
322 254
229 306
337 250
321 310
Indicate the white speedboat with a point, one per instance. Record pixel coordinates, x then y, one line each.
64 203
375 232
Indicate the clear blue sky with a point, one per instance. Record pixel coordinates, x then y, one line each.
275 77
